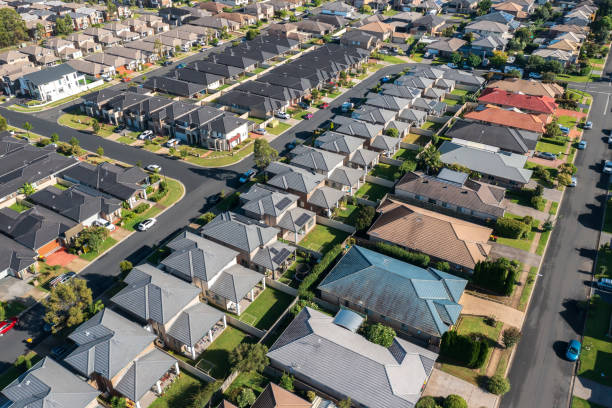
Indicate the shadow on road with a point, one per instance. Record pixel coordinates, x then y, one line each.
573 314
560 347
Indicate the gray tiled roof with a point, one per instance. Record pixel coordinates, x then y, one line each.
316 159
152 294
357 128
35 227
338 142
506 138
195 256
287 177
49 74
264 200
237 231
385 143
109 178
402 91
364 157
314 347
272 256
48 384
414 82
236 282
392 103
14 256
193 323
373 114
412 115
144 373
425 299
399 125
295 219
326 197
346 176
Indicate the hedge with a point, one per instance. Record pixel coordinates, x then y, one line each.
558 142
304 290
415 258
140 208
511 228
464 349
499 275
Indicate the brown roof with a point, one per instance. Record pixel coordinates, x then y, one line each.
511 118
565 45
528 86
276 397
450 239
377 27
226 404
212 6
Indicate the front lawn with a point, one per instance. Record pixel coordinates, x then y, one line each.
151 147
180 393
522 243
568 121
372 192
126 140
385 171
175 191
18 207
91 255
542 242
218 352
278 129
580 403
527 288
266 309
218 159
390 13
551 148
391 59
554 206
298 114
322 238
607 226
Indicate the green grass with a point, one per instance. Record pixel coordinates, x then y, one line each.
554 207
125 140
150 213
91 255
597 61
391 59
390 12
299 114
13 372
175 192
580 403
59 102
551 170
551 148
577 78
322 238
385 171
596 356
417 56
607 226
568 121
451 102
517 198
252 380
459 92
12 309
218 352
288 276
223 159
258 70
18 207
527 288
413 138
433 126
151 147
348 214
280 128
372 192
60 186
266 308
75 121
524 243
406 154
179 393
542 242
502 364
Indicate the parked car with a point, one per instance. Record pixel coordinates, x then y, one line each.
260 131
247 175
546 155
7 325
607 168
155 168
385 79
145 135
534 75
588 125
573 350
308 116
282 115
451 65
291 145
582 145
104 223
172 143
324 105
564 129
181 65
347 106
303 105
126 79
604 284
63 278
609 141
574 182
166 63
146 224
214 199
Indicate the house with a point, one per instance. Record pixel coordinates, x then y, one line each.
485 28
295 180
324 200
528 87
462 6
353 127
511 8
79 203
380 30
316 28
338 8
92 69
119 357
445 47
212 7
418 302
364 159
415 82
386 145
498 116
16 259
109 60
374 115
209 81
94 102
430 106
452 192
175 15
338 143
127 184
48 383
414 117
495 167
346 179
361 39
226 71
274 396
428 24
387 102
549 54
13 57
172 308
53 83
233 3
508 139
526 103
240 18
174 86
278 209
500 17
484 46
256 242
447 239
320 351
316 160
262 11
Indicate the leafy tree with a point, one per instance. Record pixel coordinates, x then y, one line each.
380 334
95 125
67 304
302 303
429 159
393 132
365 9
511 336
204 394
40 31
498 59
474 60
484 6
158 47
286 382
548 76
310 396
345 403
251 34
13 29
118 402
3 124
498 275
125 266
54 137
365 215
64 25
449 31
523 34
455 401
426 402
469 37
249 357
567 168
405 167
456 58
207 217
111 8
27 126
315 93
245 398
74 142
442 266
91 238
564 179
498 385
264 153
100 151
27 189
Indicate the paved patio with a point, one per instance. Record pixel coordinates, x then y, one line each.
593 392
473 305
441 384
523 211
504 251
61 258
12 288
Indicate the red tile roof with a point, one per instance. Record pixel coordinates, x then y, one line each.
539 104
493 114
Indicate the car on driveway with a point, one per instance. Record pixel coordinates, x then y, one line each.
291 145
564 129
7 325
259 131
588 125
607 168
308 116
303 105
104 223
582 145
282 115
146 224
247 175
166 63
147 134
324 105
573 350
63 278
546 155
604 284
155 168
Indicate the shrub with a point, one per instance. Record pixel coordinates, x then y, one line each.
511 336
312 278
302 303
394 251
286 382
310 396
140 208
483 353
245 398
426 402
442 266
558 142
499 275
380 334
125 266
463 349
455 401
511 228
498 385
538 202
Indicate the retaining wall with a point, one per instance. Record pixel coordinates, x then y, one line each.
253 331
389 160
335 224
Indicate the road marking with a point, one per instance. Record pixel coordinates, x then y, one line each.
606 108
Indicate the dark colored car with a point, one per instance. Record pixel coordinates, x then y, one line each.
604 284
181 65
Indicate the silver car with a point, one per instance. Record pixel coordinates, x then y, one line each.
146 224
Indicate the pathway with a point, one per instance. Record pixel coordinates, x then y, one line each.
572 113
552 194
593 392
474 305
441 384
505 251
523 211
547 163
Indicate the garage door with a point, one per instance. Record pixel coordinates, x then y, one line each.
49 248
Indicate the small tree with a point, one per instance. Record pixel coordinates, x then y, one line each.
426 402
118 402
95 125
455 401
207 217
499 58
27 189
91 239
100 151
564 179
442 266
511 336
249 357
3 124
393 132
251 34
67 304
365 9
264 153
125 266
456 58
429 159
286 382
27 126
498 385
380 334
245 398
345 403
54 137
74 142
365 215
484 6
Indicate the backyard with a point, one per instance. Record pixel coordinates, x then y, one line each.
266 309
252 380
216 356
322 238
520 243
347 214
416 139
385 171
179 393
372 192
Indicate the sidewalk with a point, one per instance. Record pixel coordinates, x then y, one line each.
593 392
473 305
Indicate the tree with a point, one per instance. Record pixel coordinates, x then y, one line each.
95 125
251 34
100 151
469 37
67 304
40 31
548 76
429 159
207 217
455 401
511 336
345 403
111 8
474 60
456 58
118 402
286 382
552 130
249 357
13 29
74 142
90 239
498 59
393 132
380 334
315 93
54 137
264 153
204 394
365 9
442 266
365 215
484 6
3 124
64 25
498 275
125 266
245 398
158 47
567 168
449 31
498 385
426 402
27 126
27 189
564 179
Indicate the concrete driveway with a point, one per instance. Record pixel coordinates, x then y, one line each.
505 251
441 384
473 305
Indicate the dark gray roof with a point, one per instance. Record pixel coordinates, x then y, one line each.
14 257
288 177
272 256
506 138
107 343
364 157
240 232
295 219
226 71
326 197
263 200
35 227
402 91
357 128
152 294
143 373
425 299
235 282
9 144
338 142
248 101
392 103
316 159
412 81
174 86
385 143
200 116
412 115
49 74
48 384
198 77
109 178
193 323
373 114
346 176
314 347
232 60
194 256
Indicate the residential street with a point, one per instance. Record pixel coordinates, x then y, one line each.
200 183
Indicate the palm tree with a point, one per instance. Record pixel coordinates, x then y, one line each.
429 159
27 189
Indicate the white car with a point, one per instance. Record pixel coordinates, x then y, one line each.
172 143
104 223
282 115
607 167
146 224
574 182
145 135
155 168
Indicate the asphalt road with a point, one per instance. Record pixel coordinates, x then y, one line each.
540 376
200 183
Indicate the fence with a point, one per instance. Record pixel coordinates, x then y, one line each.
253 331
335 224
438 119
229 380
471 88
392 162
366 202
281 287
279 323
380 181
190 369
422 132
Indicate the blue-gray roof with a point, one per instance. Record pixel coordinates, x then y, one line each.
425 299
348 319
144 373
240 232
193 323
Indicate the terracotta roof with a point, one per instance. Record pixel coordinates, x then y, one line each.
508 6
565 45
377 27
528 86
539 104
494 114
274 396
451 239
